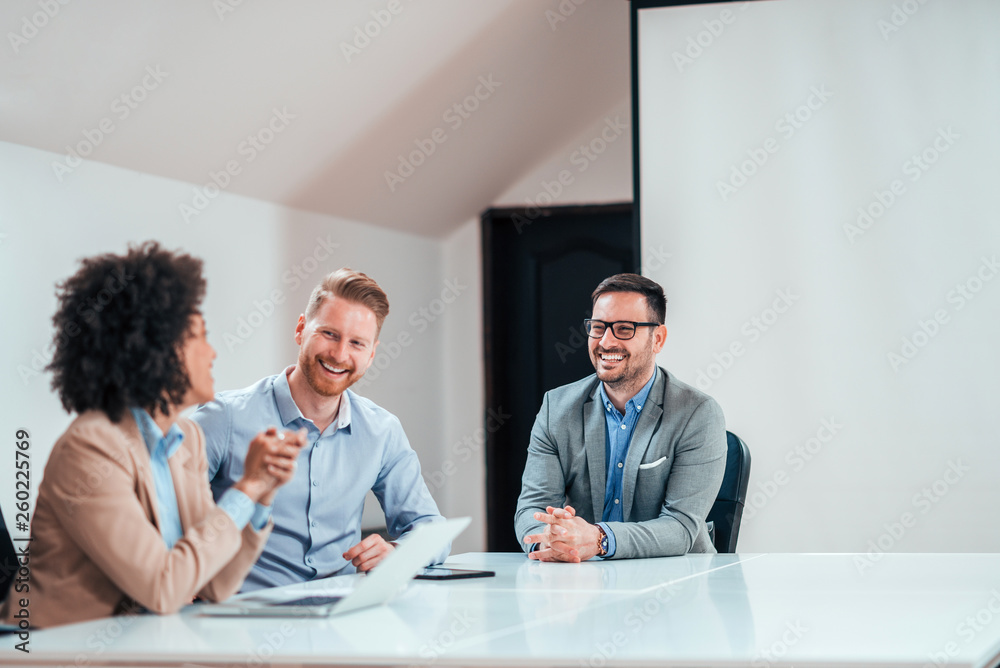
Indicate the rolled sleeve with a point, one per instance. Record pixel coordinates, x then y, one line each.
261 514
240 508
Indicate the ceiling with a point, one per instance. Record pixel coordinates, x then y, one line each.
332 108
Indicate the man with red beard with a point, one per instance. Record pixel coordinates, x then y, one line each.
352 445
627 462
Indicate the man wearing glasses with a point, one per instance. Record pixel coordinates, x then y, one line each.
627 462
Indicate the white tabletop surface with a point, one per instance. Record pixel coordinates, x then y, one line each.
697 610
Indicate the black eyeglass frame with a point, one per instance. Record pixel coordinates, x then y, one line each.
611 326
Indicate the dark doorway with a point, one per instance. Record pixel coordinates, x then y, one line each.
539 267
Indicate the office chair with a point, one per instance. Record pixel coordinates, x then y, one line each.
8 560
727 511
8 569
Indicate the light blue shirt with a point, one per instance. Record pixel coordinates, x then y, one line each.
161 447
317 515
619 429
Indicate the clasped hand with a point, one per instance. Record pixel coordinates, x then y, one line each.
566 537
270 463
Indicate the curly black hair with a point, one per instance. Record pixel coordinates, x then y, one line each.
120 324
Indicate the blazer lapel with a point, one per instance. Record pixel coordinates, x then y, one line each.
649 418
179 465
145 489
595 437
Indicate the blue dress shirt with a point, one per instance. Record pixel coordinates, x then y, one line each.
619 429
317 515
161 447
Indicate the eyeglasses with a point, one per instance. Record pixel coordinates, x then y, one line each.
622 329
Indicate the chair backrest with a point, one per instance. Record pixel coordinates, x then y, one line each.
727 511
8 560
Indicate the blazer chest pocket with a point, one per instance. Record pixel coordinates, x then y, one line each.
652 465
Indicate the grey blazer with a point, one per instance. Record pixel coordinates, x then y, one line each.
672 474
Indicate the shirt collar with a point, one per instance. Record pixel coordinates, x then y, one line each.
153 437
289 411
637 402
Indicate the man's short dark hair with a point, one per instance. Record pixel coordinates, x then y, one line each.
120 324
656 301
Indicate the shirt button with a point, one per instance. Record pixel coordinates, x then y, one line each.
315 484
616 502
309 560
619 464
623 426
313 523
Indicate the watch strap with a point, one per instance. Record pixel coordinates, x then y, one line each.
602 541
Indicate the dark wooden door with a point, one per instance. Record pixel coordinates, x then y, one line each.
539 268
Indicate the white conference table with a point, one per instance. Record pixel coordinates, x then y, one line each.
698 610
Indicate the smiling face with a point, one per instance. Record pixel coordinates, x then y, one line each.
624 365
197 355
336 345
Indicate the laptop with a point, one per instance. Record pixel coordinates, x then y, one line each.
392 575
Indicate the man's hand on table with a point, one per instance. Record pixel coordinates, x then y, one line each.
566 537
369 552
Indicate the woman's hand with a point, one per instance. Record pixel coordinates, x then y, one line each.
270 463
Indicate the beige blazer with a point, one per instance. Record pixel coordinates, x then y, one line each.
97 549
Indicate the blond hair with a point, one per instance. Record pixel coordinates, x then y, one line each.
354 287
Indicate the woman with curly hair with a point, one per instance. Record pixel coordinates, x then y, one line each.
125 519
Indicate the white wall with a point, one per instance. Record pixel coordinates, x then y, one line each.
252 251
461 474
824 176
